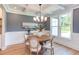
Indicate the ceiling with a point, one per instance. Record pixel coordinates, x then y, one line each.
33 9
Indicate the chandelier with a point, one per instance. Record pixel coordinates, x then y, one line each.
40 18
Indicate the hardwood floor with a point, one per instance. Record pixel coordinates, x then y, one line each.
63 50
19 49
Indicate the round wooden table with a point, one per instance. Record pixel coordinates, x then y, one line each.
40 38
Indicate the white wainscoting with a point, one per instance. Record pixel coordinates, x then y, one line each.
14 37
18 37
72 43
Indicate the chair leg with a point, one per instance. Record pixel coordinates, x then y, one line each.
37 53
52 51
30 52
28 49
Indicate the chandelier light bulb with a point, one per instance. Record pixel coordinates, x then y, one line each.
42 18
34 19
45 19
37 18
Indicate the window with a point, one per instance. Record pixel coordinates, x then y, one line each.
61 27
54 25
65 25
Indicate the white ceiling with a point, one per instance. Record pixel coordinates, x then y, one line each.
33 9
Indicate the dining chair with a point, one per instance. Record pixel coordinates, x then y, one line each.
34 46
26 42
48 45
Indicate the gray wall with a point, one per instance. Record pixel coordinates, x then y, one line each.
14 22
76 20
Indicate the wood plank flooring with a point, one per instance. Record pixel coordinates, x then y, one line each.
19 49
63 50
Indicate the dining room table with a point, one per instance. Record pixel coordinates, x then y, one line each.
39 38
42 38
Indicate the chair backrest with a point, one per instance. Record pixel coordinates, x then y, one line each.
33 42
25 37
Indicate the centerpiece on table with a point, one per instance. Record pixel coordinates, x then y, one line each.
40 27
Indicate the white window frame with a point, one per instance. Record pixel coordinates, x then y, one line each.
59 28
54 26
70 26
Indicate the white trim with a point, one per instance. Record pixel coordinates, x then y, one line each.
59 28
51 22
70 14
14 37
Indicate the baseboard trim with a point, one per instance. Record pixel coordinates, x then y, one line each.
66 47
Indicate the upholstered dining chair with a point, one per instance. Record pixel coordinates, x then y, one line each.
34 45
48 45
26 42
